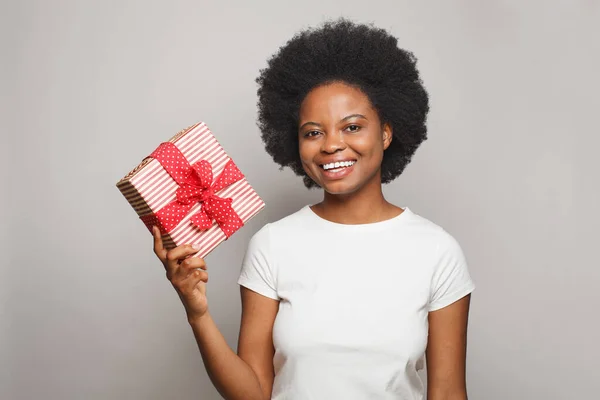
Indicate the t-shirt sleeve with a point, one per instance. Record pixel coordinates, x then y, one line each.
257 271
451 280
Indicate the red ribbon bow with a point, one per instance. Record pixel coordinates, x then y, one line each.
195 185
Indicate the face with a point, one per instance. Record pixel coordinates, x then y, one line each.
341 139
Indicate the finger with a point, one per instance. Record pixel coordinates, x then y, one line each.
182 251
159 248
192 263
188 284
175 257
188 266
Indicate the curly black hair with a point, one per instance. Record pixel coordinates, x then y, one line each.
356 54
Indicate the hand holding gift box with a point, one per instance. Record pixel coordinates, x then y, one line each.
191 190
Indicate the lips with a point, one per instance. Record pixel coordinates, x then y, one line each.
337 164
337 170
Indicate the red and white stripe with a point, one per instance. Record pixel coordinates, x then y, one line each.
152 188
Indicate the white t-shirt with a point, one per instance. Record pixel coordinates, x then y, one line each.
354 300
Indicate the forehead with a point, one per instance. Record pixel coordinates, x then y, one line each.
335 100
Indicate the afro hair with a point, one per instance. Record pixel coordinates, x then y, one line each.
356 54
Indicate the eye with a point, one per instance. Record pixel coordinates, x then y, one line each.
353 128
311 133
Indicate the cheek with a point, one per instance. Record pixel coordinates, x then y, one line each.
305 151
368 147
377 157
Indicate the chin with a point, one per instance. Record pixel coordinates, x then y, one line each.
339 188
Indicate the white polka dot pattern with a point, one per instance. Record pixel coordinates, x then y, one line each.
195 185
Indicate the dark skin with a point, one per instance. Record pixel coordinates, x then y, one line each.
336 123
327 133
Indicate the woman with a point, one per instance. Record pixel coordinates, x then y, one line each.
342 299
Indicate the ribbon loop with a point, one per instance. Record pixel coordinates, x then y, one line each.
196 185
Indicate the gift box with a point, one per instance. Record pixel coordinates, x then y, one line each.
191 190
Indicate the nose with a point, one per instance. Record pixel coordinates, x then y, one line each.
334 141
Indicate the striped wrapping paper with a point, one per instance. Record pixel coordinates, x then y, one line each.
148 188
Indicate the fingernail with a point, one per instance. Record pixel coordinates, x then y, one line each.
196 246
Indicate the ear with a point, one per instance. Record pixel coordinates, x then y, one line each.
387 134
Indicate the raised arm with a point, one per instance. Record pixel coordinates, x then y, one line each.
247 375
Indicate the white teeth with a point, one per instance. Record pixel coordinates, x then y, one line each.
338 164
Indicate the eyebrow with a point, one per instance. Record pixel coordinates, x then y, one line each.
343 119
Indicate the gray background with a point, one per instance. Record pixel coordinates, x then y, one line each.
90 88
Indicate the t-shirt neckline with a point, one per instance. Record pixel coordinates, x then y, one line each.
357 227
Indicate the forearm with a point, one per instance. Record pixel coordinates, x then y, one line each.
230 375
446 395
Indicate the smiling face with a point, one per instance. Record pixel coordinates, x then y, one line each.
341 139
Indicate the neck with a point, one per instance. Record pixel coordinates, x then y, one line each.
364 206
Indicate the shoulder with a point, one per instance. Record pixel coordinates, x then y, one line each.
281 228
271 243
448 256
438 239
425 226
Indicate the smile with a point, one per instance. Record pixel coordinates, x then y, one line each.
335 166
